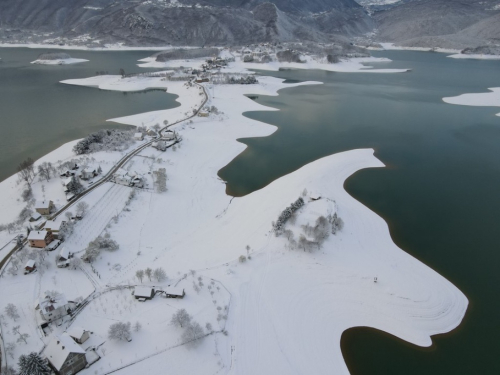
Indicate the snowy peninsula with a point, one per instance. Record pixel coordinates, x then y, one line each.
57 58
165 270
487 99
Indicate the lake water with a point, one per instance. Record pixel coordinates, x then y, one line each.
439 192
38 114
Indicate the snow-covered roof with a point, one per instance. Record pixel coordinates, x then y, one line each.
76 332
175 290
143 291
50 304
64 253
137 135
36 216
30 264
37 235
58 350
66 181
43 204
53 225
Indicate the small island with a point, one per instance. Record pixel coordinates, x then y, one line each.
56 58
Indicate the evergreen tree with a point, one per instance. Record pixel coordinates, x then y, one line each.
33 364
74 186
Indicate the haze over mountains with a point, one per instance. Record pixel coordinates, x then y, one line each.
443 23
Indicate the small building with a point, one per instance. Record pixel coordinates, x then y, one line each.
67 173
160 146
202 80
203 113
138 136
144 293
62 260
88 173
151 132
169 136
54 227
65 356
30 266
53 308
44 207
40 238
78 334
174 292
35 217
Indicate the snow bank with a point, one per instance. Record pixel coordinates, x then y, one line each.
352 65
474 56
59 61
489 99
393 47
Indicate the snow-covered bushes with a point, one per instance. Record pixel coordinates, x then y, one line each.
286 214
100 243
105 140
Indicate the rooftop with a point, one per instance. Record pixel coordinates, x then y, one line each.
58 350
37 235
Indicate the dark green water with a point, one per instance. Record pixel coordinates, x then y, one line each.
38 114
439 193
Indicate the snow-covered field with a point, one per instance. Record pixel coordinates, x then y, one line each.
474 56
352 66
273 307
59 61
487 99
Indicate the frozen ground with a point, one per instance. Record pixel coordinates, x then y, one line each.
59 61
281 310
487 99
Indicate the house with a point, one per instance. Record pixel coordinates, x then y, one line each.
53 308
67 173
138 136
65 183
143 293
88 173
160 146
54 227
123 177
62 260
203 113
40 238
30 266
44 207
169 136
151 132
35 217
174 292
78 334
65 356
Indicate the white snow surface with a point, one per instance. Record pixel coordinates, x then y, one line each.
285 310
474 56
59 61
487 99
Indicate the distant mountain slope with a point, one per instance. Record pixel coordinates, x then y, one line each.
187 22
450 23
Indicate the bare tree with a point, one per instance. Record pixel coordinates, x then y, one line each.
193 332
11 311
159 274
23 337
9 371
139 274
119 331
69 215
82 208
9 349
74 263
149 273
26 170
181 318
46 170
137 326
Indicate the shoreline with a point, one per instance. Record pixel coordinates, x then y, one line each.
277 288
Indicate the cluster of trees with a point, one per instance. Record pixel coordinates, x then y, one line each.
324 226
104 140
231 79
161 180
23 254
94 247
289 56
158 274
46 170
278 226
75 186
192 331
31 364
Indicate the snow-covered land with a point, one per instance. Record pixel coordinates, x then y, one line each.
266 304
59 61
474 56
487 99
